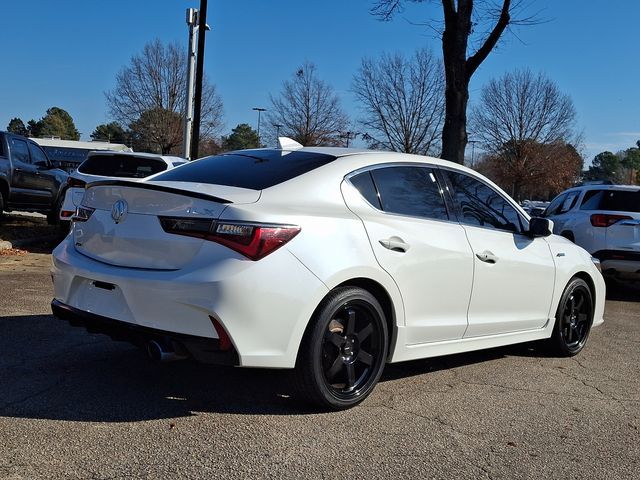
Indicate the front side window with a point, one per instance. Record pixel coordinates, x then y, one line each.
408 190
20 151
569 202
555 205
480 205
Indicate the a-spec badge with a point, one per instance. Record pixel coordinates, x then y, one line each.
119 211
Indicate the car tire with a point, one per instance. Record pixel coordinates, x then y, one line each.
1 205
573 319
343 351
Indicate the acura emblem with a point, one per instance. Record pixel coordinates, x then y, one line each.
119 211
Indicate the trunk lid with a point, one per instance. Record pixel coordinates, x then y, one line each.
125 230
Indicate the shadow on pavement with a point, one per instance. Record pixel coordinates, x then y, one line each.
623 291
50 370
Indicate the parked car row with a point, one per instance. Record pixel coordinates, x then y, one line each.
30 181
605 221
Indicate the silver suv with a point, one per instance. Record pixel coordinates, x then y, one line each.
605 221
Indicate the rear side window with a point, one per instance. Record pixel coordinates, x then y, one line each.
412 191
480 205
253 169
364 183
1 146
38 157
612 200
122 166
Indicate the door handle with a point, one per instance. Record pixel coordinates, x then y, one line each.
395 244
487 257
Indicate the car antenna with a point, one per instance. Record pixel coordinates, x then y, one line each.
286 143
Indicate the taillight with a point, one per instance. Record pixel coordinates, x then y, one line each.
254 241
74 182
606 220
82 214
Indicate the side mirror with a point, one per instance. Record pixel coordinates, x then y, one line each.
540 227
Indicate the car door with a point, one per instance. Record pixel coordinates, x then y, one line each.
25 182
514 274
420 245
45 181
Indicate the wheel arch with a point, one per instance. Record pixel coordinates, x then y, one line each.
590 283
4 189
381 295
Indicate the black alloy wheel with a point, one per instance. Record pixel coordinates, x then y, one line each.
573 319
344 351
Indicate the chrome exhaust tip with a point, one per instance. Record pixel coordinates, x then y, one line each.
159 353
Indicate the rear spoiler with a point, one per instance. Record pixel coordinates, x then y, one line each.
160 188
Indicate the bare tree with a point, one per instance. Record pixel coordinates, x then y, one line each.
150 96
307 110
519 117
482 24
402 101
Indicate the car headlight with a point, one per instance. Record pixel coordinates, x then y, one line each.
596 262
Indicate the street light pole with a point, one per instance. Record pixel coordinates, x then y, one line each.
192 22
197 108
259 110
278 127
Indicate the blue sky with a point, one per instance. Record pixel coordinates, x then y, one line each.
66 53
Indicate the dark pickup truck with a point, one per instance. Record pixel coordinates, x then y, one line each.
28 180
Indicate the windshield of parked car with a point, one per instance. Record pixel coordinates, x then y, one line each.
253 169
612 200
122 166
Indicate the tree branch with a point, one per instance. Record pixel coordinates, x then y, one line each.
474 61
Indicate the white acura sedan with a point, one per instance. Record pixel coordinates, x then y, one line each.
330 261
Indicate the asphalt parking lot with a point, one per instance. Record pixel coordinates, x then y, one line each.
75 405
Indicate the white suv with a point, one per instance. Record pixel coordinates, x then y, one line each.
108 165
604 220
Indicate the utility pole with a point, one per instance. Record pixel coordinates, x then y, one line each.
473 150
192 22
259 110
197 107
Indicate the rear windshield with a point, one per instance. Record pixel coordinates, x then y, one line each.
124 166
255 169
613 200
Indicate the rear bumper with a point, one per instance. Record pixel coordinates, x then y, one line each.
202 349
619 264
263 306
